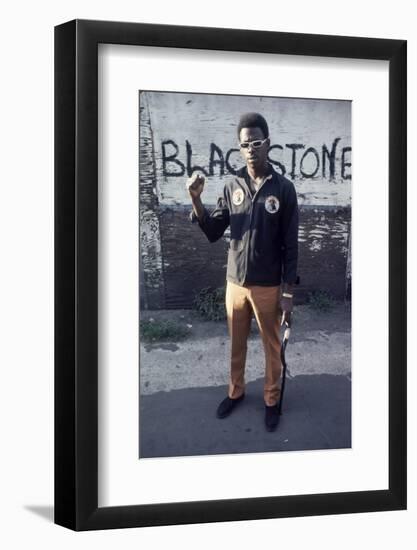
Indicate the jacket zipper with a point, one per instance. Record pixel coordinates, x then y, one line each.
250 223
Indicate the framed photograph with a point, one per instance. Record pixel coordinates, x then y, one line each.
185 342
230 223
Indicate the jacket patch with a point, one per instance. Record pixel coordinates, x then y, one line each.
238 197
271 204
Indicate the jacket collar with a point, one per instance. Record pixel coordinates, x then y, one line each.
244 178
243 173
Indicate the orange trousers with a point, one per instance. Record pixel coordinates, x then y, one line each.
264 303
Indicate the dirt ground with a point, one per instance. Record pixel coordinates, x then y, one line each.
338 319
319 344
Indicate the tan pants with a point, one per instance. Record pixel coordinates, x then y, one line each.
263 302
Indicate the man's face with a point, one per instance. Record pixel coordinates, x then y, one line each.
254 157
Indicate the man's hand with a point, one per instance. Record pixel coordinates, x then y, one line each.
286 308
195 186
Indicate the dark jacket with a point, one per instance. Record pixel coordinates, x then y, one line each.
263 229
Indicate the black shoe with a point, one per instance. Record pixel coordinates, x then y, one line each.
227 406
271 417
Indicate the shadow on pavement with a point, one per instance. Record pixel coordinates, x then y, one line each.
316 415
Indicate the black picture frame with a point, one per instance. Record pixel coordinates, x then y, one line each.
76 272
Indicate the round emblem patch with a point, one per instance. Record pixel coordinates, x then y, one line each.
238 197
271 204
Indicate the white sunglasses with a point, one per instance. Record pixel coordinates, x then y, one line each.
255 144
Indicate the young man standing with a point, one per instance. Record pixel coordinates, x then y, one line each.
261 208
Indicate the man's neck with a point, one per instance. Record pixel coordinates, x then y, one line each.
258 173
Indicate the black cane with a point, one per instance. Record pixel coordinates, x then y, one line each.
283 362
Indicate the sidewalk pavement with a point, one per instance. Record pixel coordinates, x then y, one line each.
181 384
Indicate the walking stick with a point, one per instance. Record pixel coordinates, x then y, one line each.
283 362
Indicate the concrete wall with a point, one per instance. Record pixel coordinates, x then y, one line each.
180 133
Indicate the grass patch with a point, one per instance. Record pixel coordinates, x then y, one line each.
209 304
320 300
158 331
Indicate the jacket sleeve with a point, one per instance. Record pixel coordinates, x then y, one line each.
214 223
290 234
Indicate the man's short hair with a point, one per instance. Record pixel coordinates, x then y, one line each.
253 120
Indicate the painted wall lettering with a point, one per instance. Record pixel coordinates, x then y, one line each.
216 159
331 157
310 151
169 159
300 161
346 151
294 148
273 161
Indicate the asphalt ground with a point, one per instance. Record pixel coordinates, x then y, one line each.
182 383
